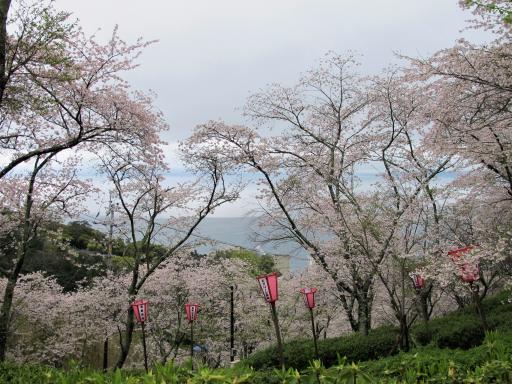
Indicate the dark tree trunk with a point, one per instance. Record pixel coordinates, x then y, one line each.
105 354
478 306
12 279
364 312
125 339
5 314
358 308
4 12
404 334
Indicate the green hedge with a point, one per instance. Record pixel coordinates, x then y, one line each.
489 363
463 329
460 329
298 353
486 362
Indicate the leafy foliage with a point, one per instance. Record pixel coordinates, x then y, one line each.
356 347
260 264
487 363
460 329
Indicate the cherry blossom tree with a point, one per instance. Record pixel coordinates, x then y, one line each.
329 126
144 199
49 191
469 89
64 90
495 15
469 85
60 93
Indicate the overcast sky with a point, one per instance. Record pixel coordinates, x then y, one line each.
212 54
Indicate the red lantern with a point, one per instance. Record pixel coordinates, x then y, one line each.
469 273
268 285
191 310
418 281
308 294
140 309
456 254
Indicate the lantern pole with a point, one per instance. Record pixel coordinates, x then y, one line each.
144 346
314 333
139 308
232 327
278 333
192 344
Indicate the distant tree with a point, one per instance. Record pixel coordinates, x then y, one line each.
260 264
80 234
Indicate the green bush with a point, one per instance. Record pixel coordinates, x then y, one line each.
460 331
488 363
463 329
432 364
298 353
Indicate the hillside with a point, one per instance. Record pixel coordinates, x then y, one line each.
455 351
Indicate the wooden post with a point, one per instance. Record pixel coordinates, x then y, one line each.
144 346
232 328
278 334
314 333
192 345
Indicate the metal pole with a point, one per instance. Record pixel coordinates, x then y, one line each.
144 346
314 333
110 228
192 344
278 333
232 328
105 354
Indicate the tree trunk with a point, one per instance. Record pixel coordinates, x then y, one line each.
12 279
478 306
363 301
423 305
105 354
364 313
126 340
404 334
4 12
5 314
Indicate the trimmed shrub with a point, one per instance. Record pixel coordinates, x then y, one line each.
461 329
298 353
